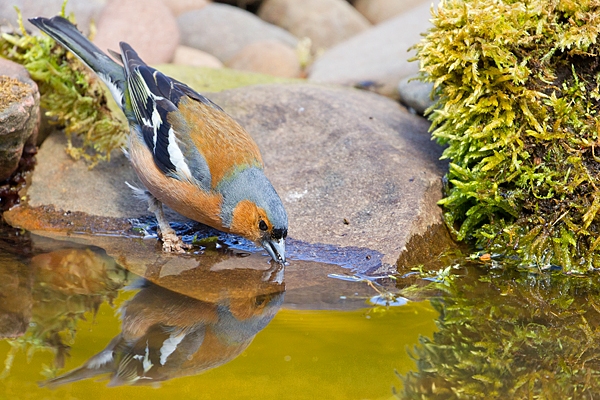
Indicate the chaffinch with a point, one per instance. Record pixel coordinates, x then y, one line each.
188 153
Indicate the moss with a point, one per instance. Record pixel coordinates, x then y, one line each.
72 97
518 100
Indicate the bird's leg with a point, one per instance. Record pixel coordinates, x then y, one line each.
171 242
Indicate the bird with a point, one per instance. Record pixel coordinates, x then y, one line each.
186 150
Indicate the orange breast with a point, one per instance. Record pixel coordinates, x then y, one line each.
184 197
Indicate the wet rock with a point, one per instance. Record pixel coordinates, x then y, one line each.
148 26
377 11
179 7
223 30
415 94
19 115
379 55
267 57
84 10
325 22
352 168
185 55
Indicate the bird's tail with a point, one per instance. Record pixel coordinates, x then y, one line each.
65 33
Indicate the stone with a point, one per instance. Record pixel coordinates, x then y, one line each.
179 7
325 22
147 25
378 57
223 30
19 115
85 11
185 55
267 57
68 185
415 94
377 11
355 170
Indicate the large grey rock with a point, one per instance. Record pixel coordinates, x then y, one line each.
19 115
379 55
354 169
325 22
84 10
223 30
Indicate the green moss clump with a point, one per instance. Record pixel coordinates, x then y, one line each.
518 86
70 94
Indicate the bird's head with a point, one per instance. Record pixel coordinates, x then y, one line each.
251 208
253 222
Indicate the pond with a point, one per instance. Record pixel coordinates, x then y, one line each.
227 324
118 318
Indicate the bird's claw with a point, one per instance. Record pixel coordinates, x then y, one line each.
173 243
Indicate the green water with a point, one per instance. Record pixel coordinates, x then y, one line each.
259 332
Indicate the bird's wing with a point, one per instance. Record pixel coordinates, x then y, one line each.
152 97
188 134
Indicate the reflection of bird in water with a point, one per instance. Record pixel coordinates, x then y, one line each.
167 335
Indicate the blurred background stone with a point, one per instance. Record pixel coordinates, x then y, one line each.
85 11
325 22
415 94
179 7
378 57
223 30
267 57
148 26
185 55
377 11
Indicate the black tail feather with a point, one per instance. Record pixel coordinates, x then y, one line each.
65 33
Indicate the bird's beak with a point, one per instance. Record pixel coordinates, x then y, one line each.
275 248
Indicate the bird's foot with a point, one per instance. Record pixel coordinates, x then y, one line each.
173 243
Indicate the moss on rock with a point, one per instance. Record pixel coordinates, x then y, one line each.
70 94
518 86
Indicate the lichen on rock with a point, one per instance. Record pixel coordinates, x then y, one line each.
518 86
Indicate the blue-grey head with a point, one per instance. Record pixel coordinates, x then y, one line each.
252 208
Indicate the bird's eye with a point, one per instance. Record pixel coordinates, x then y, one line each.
262 225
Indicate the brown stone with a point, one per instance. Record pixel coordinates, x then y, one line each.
85 11
377 11
223 30
147 25
325 22
267 57
179 7
19 115
185 55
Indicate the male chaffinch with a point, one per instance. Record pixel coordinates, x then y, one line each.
188 153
